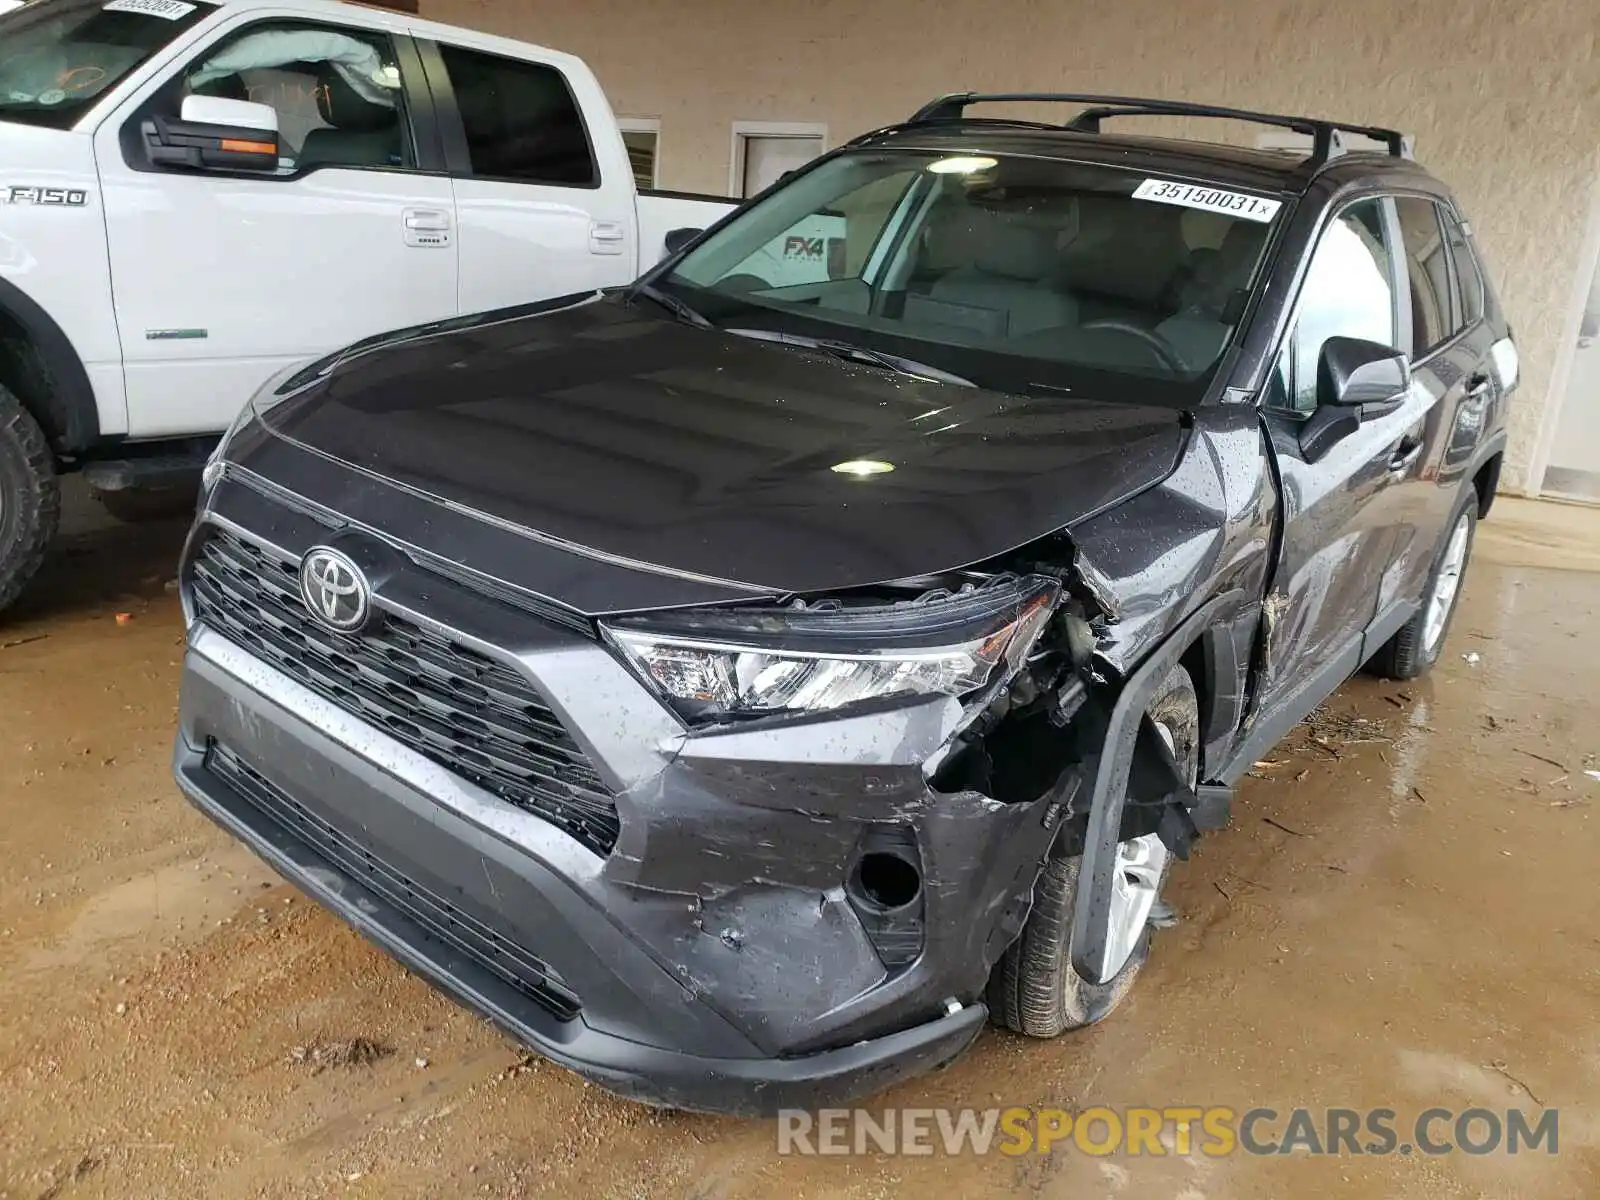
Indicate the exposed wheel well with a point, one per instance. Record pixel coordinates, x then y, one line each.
40 366
1485 482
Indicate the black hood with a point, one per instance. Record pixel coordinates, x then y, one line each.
608 427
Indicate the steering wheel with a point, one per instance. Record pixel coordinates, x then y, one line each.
1157 344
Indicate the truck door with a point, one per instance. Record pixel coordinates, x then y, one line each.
1338 536
221 277
544 198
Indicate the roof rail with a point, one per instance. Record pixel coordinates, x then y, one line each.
1326 142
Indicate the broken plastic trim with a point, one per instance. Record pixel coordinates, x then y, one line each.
1091 918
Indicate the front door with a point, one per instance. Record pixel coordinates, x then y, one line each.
1337 539
220 278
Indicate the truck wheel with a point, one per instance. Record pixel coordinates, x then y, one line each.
134 505
1035 989
30 497
1415 649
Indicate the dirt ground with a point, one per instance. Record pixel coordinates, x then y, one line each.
1403 915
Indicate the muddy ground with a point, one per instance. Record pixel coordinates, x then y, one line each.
1405 915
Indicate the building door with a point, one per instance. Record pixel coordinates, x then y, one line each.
1574 468
762 156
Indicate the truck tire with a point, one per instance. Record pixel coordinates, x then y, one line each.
1035 990
134 505
30 497
1416 647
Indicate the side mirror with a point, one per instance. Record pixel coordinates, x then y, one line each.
677 239
1352 372
235 135
1355 378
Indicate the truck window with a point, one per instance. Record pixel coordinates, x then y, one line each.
57 57
521 121
336 92
1349 292
1428 265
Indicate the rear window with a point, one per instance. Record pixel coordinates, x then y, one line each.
521 121
58 57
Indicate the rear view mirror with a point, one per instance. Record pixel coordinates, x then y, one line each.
236 135
1351 371
677 239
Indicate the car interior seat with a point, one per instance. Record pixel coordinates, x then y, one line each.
359 133
1001 287
1205 317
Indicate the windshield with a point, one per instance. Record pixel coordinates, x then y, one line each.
1015 272
58 56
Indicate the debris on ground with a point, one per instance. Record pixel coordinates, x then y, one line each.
124 618
1329 731
354 1052
23 641
1472 658
1594 775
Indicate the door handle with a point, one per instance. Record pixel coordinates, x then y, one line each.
426 227
425 221
1477 389
606 237
1405 454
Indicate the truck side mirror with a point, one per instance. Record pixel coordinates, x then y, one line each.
212 132
677 239
1355 379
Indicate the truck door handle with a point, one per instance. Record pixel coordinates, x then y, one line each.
427 227
606 237
1405 454
1477 389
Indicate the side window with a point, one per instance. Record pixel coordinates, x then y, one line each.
1469 280
336 92
1349 291
521 120
1428 265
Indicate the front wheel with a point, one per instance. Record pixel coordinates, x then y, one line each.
1035 989
1415 648
30 497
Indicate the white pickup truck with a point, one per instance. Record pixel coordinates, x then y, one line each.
195 195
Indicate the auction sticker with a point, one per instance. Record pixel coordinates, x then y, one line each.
167 10
1217 200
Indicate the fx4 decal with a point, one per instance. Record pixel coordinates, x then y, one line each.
59 197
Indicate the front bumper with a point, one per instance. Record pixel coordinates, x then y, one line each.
742 999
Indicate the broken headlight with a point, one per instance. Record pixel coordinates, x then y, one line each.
715 664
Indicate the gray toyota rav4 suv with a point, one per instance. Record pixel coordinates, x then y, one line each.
744 685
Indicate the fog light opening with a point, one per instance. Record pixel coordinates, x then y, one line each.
887 881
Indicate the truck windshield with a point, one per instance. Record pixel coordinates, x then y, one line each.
1013 271
57 57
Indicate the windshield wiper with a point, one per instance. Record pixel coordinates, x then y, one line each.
672 304
860 354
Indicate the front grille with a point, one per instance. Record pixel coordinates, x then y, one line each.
527 973
467 712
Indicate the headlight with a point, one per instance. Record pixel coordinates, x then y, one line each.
713 664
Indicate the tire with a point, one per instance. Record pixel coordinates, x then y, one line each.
1410 653
134 505
30 497
1035 990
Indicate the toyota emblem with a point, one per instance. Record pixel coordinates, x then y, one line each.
334 589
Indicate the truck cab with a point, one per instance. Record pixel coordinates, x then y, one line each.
196 196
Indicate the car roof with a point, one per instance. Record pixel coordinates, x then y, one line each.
1282 171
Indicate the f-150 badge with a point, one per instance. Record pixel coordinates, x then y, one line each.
60 197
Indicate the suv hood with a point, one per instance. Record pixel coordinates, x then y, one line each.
696 451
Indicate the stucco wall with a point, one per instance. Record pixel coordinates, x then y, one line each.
1503 96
